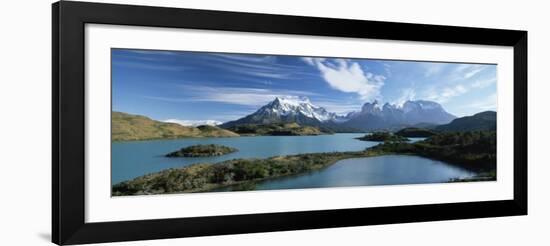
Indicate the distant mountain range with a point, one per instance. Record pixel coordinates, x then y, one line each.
298 116
372 116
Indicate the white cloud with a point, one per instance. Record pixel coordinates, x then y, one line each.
460 72
233 95
432 68
447 93
406 95
243 96
466 71
252 65
484 83
312 61
488 103
243 57
348 76
340 108
473 72
387 69
194 122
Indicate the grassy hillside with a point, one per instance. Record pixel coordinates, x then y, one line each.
484 121
128 127
280 129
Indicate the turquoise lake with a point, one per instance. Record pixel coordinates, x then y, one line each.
133 159
379 170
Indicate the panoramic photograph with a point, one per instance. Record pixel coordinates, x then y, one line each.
189 122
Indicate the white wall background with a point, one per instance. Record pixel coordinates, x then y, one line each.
25 103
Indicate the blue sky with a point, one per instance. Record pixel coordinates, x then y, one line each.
192 87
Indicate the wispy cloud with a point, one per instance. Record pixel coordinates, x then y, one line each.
167 99
487 103
194 122
262 66
387 69
244 57
473 72
482 83
348 76
459 79
466 71
406 95
339 107
148 65
232 95
447 93
452 71
431 69
152 52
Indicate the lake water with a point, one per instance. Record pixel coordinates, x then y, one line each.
136 158
380 170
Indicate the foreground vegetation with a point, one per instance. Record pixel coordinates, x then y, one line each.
415 132
472 150
204 177
276 129
202 150
128 127
383 137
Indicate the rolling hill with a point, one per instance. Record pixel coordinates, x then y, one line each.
129 127
484 121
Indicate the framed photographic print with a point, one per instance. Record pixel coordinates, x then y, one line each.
176 122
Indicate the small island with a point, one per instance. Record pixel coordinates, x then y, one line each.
202 150
415 132
383 137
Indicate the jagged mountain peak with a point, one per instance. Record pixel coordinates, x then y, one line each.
422 104
373 115
291 100
291 105
371 107
288 109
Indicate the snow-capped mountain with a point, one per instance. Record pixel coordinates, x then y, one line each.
390 116
422 111
373 115
298 105
285 110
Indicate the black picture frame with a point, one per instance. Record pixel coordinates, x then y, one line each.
68 107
